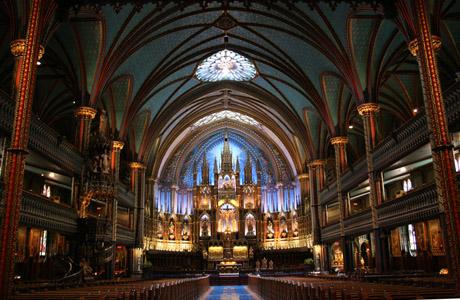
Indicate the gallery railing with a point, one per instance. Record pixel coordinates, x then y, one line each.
43 138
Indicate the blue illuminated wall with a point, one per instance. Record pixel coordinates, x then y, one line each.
213 147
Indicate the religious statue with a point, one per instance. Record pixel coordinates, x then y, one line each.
250 227
364 254
95 164
270 265
204 227
105 163
264 263
295 226
87 271
283 226
257 265
270 230
160 230
185 229
171 229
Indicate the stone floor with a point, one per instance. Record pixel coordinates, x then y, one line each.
230 292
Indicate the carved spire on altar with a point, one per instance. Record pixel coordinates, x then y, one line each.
248 169
205 170
226 157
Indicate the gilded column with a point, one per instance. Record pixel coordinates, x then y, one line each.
368 111
149 195
14 177
340 143
340 151
117 146
138 188
18 49
424 47
304 191
84 115
316 175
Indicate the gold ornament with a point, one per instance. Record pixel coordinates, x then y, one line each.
368 108
85 112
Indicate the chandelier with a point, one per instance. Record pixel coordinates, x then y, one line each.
226 65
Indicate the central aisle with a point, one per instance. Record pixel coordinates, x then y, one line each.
230 292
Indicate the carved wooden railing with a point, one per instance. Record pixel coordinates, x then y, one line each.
43 138
125 235
358 223
412 207
328 194
124 196
39 211
330 232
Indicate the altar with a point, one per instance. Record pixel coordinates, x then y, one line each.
228 267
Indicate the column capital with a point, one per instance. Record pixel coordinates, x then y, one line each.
117 145
136 165
18 48
316 163
413 45
339 140
368 108
302 176
85 112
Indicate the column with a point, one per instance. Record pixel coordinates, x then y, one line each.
14 177
340 143
316 182
441 145
149 195
304 186
340 151
279 192
84 115
368 111
174 189
117 146
138 188
18 49
316 175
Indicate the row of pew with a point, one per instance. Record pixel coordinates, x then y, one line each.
177 289
272 288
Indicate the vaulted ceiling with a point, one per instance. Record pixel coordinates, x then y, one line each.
314 64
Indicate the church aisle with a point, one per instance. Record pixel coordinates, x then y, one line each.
230 292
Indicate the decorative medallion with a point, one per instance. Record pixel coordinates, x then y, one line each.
225 22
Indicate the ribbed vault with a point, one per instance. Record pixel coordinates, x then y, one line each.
314 65
263 147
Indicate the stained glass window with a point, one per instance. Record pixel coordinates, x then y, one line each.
226 65
226 114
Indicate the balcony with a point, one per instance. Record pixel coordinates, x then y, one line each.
43 138
39 211
358 223
124 196
414 206
330 232
409 137
125 235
